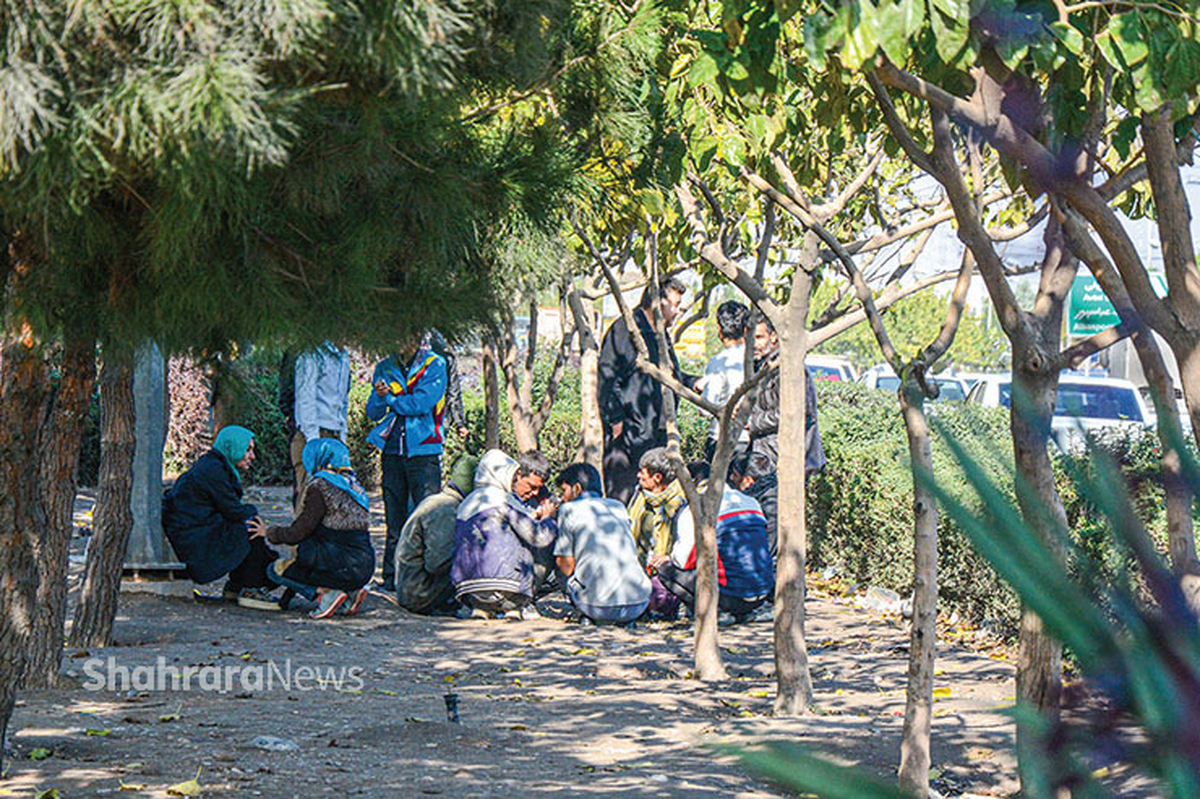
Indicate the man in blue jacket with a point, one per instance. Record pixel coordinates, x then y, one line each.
408 402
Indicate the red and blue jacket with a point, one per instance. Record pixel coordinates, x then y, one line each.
744 565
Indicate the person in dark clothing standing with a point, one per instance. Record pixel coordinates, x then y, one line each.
763 423
456 415
207 523
408 403
630 400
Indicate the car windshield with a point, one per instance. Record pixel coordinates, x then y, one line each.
1088 401
825 372
887 382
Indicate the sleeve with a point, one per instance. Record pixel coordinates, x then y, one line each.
564 544
425 395
311 514
225 499
308 368
764 417
685 538
532 532
376 405
615 365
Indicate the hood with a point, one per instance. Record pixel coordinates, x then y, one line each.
495 470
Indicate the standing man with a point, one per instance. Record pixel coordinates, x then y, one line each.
630 400
763 423
456 415
322 400
408 402
726 370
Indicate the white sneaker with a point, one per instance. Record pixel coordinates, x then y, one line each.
527 613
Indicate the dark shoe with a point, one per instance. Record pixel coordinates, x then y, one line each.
257 599
286 599
230 592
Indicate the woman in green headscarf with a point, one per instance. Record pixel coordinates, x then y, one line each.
207 523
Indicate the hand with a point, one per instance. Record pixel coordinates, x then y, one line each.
656 560
381 388
616 428
548 509
257 527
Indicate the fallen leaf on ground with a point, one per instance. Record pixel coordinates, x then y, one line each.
586 651
52 793
759 694
132 786
941 693
39 754
93 732
189 788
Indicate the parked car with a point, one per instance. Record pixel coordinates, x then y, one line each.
884 378
830 367
1083 405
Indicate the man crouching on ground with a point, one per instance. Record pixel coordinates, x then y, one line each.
501 546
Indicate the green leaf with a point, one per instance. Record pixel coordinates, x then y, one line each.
736 70
1129 37
793 767
1071 38
818 30
786 9
704 70
950 35
914 16
892 30
1104 42
39 753
1145 88
1182 68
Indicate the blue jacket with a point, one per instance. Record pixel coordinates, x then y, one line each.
495 535
417 399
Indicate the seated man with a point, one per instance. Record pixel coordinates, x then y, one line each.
653 514
427 544
753 474
595 550
498 539
745 573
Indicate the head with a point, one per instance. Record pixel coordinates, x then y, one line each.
670 299
325 455
654 470
533 470
698 471
578 478
747 468
237 445
462 473
731 322
765 340
408 347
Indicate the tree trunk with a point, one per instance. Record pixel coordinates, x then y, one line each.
24 388
523 430
491 395
591 447
791 656
1039 662
915 757
97 608
59 439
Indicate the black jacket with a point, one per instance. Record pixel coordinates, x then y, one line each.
455 414
628 394
763 424
766 491
204 518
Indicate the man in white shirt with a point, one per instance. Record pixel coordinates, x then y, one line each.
322 401
725 370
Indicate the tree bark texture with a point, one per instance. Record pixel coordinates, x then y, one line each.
24 389
1039 661
915 758
58 446
491 394
591 447
93 621
794 692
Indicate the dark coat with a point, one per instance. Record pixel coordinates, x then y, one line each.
205 520
766 491
763 423
628 394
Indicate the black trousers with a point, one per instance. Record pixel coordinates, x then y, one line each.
682 583
252 571
621 465
405 481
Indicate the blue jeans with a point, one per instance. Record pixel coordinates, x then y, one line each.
613 614
404 480
309 592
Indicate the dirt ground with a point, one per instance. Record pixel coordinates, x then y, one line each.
546 707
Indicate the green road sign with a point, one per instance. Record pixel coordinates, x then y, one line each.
1088 309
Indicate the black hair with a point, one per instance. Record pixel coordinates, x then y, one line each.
731 319
533 462
655 461
699 470
762 320
745 463
584 474
664 288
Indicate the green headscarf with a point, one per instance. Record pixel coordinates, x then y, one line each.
232 442
462 474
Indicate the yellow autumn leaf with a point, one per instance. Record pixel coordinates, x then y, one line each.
759 694
132 786
941 693
585 651
189 788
